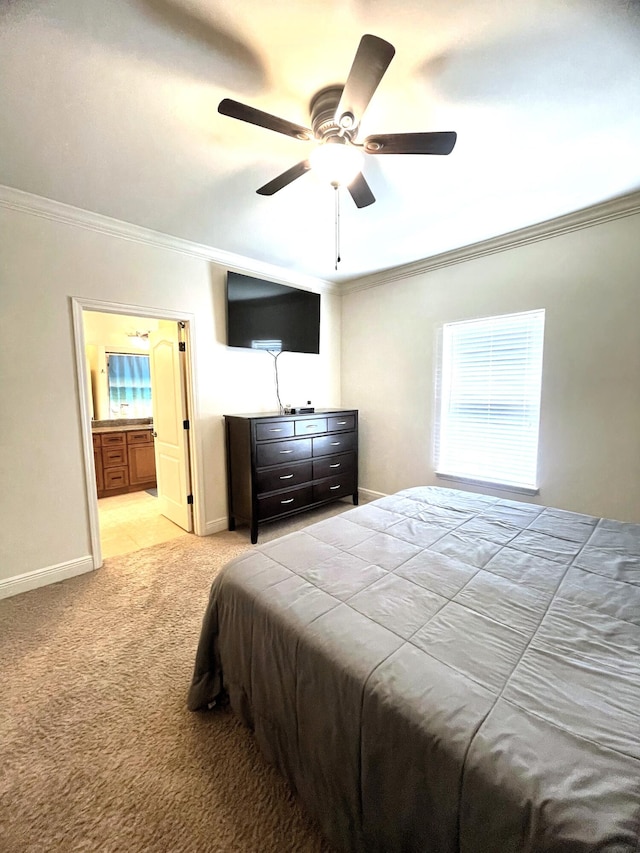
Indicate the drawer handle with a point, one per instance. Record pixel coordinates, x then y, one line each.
312 426
342 423
335 465
333 487
289 501
286 451
275 429
336 443
286 476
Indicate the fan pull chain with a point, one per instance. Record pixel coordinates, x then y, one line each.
335 186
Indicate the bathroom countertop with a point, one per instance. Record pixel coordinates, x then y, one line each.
123 425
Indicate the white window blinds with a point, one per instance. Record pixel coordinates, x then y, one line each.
489 407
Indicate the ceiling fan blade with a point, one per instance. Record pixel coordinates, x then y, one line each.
411 143
285 178
360 191
234 109
371 61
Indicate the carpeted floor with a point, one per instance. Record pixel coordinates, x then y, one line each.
97 749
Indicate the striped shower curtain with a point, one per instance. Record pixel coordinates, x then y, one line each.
129 386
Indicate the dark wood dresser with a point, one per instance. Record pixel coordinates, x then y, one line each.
280 465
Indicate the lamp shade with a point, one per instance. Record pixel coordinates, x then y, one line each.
336 162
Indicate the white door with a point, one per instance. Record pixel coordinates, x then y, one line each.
168 400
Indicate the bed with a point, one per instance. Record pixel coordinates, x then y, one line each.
441 671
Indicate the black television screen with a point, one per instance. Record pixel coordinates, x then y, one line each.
269 316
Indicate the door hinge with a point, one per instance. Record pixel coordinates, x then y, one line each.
185 425
182 346
189 499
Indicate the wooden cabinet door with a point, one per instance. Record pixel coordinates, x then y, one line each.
142 464
97 462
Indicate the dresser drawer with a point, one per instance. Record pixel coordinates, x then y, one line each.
312 426
112 457
334 487
139 436
274 505
274 429
342 422
331 466
115 478
113 439
283 477
334 443
280 452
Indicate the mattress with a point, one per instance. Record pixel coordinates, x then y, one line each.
441 671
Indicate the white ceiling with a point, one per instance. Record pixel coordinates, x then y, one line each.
112 107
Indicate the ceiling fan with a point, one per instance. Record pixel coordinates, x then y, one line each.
336 113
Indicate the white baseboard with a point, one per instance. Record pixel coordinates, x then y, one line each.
62 571
215 526
43 577
367 495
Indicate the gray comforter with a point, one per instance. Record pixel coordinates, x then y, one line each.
442 671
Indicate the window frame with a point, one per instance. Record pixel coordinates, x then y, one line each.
535 352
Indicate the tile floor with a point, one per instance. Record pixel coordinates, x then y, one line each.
131 522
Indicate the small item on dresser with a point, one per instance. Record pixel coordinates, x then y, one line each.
303 410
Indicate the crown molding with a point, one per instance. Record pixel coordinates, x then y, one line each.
24 202
58 211
617 208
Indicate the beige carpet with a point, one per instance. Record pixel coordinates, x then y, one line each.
97 749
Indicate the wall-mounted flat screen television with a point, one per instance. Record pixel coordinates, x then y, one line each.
269 316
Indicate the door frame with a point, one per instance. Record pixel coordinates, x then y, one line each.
79 305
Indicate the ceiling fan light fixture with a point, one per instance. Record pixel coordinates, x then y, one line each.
336 113
336 162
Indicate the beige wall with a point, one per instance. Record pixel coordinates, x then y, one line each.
43 502
589 283
590 429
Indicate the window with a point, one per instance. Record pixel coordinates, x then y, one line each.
129 386
488 411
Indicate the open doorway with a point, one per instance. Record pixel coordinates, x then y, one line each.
136 395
